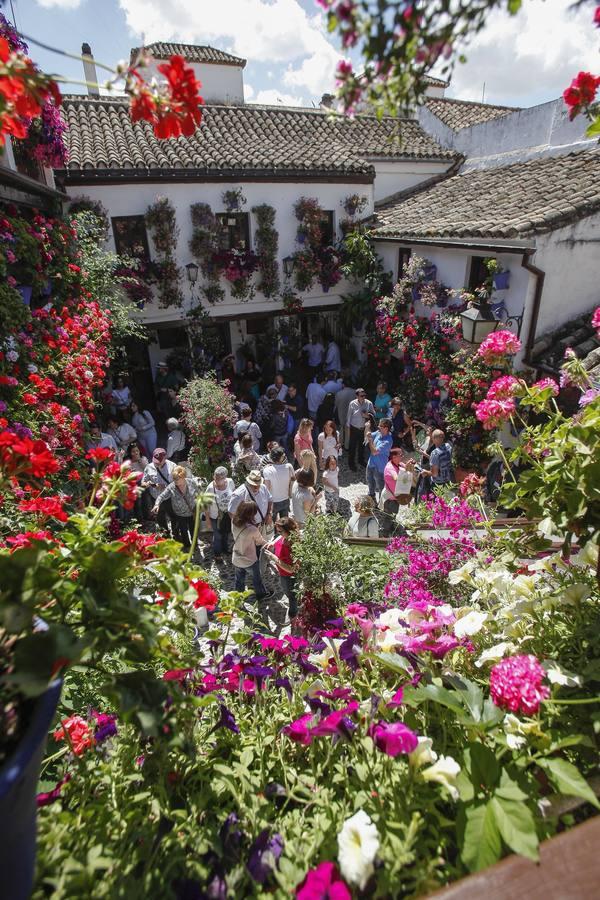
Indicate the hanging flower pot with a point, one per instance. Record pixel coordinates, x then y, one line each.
18 783
301 237
429 272
501 280
325 288
47 290
25 291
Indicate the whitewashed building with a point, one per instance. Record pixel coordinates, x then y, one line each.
456 183
276 155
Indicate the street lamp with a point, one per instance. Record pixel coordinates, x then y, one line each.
478 321
288 266
192 273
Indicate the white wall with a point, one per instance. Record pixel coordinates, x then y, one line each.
220 84
570 257
544 129
392 176
134 199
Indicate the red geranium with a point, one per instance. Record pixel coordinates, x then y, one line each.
134 542
100 454
22 456
78 732
581 92
46 506
207 596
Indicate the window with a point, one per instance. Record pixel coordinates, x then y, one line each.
172 338
130 236
479 273
327 228
235 228
404 254
257 326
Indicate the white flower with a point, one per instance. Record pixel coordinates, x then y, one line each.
314 687
358 843
575 593
423 754
322 660
495 653
32 368
387 641
525 585
557 675
390 619
516 731
462 574
445 771
587 557
470 623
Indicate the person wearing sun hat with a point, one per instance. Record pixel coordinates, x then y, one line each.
164 380
254 489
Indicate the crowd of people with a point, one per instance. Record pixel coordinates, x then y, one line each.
288 443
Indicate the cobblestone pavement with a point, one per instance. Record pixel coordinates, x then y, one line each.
273 611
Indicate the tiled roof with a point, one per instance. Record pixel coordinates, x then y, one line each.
237 139
514 201
436 82
578 334
191 52
457 114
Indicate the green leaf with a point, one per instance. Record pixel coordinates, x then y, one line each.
481 844
516 825
413 696
509 789
567 780
470 693
394 662
484 767
594 128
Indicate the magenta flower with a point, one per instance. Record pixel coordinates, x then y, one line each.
516 684
393 738
504 388
397 699
48 797
323 883
493 413
299 730
596 320
497 346
589 396
337 723
546 384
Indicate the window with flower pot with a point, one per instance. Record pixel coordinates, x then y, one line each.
327 228
235 230
404 254
478 273
131 238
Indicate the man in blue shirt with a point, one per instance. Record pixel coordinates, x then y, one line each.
380 444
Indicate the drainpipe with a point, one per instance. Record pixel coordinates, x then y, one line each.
537 300
89 71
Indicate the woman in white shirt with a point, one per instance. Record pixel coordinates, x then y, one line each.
221 487
123 434
121 395
279 477
145 428
331 484
246 541
329 442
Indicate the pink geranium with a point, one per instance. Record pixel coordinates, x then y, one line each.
516 684
504 388
596 320
494 413
323 883
497 346
545 384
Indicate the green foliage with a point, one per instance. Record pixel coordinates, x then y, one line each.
161 221
560 478
209 418
267 243
103 280
321 553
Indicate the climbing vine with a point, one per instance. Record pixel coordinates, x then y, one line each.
204 243
161 222
313 261
267 244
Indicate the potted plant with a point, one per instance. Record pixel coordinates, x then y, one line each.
354 204
233 199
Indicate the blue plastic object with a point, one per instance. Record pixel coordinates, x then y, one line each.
18 788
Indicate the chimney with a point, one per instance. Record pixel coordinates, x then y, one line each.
327 101
89 70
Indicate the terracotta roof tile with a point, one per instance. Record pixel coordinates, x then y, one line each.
457 114
192 52
248 138
519 200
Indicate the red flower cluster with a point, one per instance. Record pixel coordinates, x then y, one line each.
207 597
23 92
22 457
77 731
45 506
581 93
139 544
129 484
27 538
174 112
